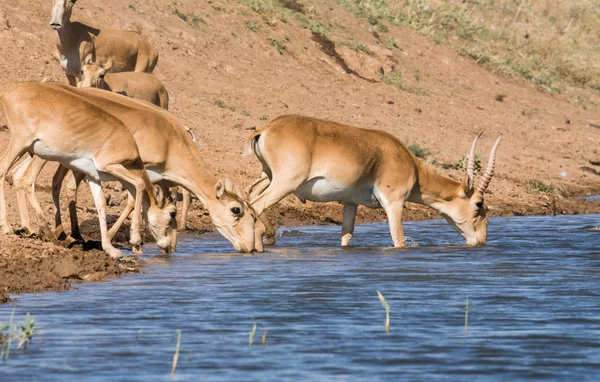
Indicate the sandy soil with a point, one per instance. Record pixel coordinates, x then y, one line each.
546 136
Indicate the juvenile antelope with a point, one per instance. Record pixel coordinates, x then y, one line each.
138 85
171 159
56 125
130 51
325 161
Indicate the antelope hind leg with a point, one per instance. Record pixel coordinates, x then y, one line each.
348 224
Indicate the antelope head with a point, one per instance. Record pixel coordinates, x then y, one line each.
61 13
92 74
162 221
235 218
466 213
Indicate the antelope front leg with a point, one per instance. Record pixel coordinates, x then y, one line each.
128 208
128 178
100 202
267 231
73 180
57 180
186 207
272 195
394 213
348 225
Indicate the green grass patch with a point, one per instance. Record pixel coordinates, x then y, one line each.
223 105
535 186
462 163
419 151
254 27
190 19
13 332
395 79
280 46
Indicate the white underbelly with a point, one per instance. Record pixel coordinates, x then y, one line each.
75 161
154 174
326 190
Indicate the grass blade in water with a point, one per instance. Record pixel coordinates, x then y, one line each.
176 356
386 306
252 333
467 307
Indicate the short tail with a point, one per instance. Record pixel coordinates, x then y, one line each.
251 143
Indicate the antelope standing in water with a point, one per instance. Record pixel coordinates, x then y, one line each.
55 125
131 52
169 155
324 161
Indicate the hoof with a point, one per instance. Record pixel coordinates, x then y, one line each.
26 232
269 240
71 241
113 252
61 235
91 244
137 250
47 235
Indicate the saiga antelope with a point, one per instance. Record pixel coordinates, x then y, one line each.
324 161
171 159
138 85
130 50
55 125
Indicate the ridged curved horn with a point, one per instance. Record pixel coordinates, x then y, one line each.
484 182
471 162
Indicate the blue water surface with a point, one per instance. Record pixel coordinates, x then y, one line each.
534 293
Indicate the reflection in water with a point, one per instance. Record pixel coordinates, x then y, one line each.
534 313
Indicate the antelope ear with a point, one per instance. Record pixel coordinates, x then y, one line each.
159 196
220 189
109 64
466 188
88 59
229 185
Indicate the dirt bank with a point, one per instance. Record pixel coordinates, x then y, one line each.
29 265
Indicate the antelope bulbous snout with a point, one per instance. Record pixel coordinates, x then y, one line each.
476 239
242 248
166 244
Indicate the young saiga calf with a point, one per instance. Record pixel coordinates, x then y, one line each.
324 161
139 85
56 125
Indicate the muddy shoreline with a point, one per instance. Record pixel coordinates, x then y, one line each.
28 265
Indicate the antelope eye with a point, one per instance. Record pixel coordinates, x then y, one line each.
236 210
